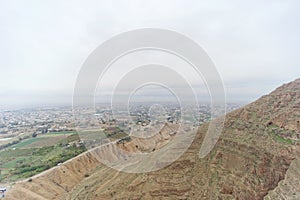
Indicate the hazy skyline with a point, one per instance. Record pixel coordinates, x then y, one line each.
254 45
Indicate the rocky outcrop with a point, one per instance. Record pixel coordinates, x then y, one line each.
289 187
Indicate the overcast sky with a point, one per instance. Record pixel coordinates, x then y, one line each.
255 45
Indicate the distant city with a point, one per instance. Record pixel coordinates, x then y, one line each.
24 123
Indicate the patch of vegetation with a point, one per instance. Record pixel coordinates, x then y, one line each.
29 155
115 133
213 154
35 166
70 138
281 139
4 146
62 133
16 163
14 142
254 116
124 140
26 142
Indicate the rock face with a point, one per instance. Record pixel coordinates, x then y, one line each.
256 157
289 187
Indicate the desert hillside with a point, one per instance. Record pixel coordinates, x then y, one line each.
256 157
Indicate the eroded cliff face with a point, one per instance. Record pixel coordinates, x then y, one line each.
256 156
289 187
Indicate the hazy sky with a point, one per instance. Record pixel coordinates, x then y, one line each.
255 45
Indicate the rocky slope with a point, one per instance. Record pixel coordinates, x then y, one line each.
288 188
256 157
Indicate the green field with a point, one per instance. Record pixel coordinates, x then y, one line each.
26 142
34 155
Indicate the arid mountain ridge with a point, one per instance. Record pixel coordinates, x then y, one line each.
256 157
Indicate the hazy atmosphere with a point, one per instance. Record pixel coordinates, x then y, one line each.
151 100
44 43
